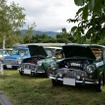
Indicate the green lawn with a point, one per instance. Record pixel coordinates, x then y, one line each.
27 90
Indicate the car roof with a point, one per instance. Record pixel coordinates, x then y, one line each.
85 45
54 47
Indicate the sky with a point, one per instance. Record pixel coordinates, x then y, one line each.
48 15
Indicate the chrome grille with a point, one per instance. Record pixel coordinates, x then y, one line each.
28 66
39 68
10 62
75 73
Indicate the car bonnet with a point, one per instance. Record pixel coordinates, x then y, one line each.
78 50
37 50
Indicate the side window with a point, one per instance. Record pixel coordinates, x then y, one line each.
58 53
49 53
22 52
98 54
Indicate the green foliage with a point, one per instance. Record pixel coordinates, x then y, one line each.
28 36
90 18
43 38
11 20
64 37
102 41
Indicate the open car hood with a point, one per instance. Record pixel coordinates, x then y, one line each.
78 51
37 50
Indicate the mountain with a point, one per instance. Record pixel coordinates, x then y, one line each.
49 33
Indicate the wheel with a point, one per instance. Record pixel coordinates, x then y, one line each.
46 73
54 82
101 83
4 67
21 72
32 74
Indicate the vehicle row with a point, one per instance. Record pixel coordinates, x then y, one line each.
70 64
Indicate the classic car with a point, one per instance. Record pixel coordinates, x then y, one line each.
82 64
19 53
39 63
54 54
30 65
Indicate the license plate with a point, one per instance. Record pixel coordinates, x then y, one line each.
8 66
27 71
39 72
69 81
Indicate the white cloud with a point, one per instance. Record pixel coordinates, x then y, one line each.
48 15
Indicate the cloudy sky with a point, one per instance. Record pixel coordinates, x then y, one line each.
48 15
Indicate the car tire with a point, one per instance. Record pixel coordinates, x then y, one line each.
21 72
32 74
54 82
4 67
100 84
46 74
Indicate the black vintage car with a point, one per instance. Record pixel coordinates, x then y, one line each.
82 64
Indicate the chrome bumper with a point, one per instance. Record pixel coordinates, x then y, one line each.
76 81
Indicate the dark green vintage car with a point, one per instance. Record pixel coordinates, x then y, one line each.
82 64
54 54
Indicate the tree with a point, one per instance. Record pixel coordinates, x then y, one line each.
90 18
11 20
64 37
28 36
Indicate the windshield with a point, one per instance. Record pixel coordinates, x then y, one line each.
19 51
49 52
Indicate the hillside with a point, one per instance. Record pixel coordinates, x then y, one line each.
49 33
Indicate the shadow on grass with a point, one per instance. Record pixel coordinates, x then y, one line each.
89 88
9 74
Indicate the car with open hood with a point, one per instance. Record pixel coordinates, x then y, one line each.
20 53
39 63
82 64
54 54
30 65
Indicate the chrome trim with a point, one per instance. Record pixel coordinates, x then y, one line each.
77 81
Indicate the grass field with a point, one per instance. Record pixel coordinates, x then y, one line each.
27 90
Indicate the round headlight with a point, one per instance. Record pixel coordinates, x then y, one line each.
53 65
90 68
39 63
19 61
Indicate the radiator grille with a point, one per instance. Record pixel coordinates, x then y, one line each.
10 62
